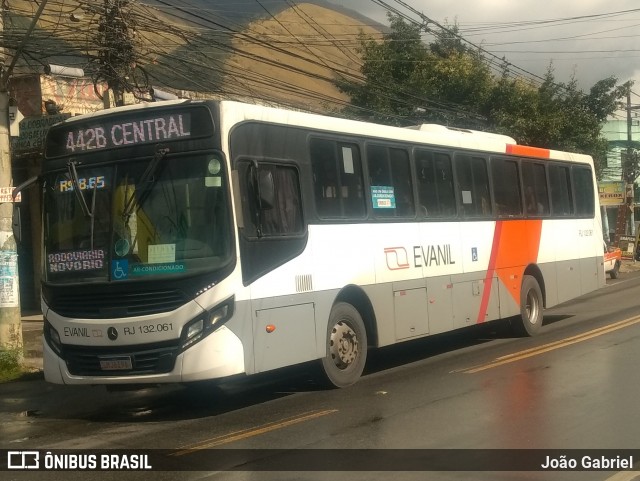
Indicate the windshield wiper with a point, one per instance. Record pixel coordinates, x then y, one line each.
145 182
73 173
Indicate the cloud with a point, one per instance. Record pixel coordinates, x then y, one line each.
591 39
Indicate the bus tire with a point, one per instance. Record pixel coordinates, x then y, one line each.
346 346
531 307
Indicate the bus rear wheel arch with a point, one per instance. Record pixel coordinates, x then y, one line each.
346 346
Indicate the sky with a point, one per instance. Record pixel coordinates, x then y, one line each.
589 39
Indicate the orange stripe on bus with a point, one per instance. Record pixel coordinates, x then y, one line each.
515 245
527 151
486 291
519 246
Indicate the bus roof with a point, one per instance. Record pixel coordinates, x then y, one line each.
434 135
233 112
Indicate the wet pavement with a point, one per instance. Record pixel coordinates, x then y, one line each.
574 386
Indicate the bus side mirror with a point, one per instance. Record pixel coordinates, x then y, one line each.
16 224
266 189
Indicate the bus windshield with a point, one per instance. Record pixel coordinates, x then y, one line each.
164 216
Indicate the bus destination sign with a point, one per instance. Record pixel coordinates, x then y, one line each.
120 133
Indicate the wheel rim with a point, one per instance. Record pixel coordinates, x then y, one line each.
532 306
343 345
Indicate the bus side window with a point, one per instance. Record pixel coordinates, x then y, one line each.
536 195
583 188
353 203
435 184
444 182
401 172
284 217
561 195
337 179
506 187
390 181
325 178
473 186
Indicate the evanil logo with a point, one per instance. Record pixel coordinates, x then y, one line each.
396 258
422 256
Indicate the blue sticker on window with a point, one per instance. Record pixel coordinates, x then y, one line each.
383 197
120 269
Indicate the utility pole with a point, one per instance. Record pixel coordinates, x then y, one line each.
629 154
10 316
116 54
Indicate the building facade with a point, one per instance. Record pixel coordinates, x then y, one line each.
622 136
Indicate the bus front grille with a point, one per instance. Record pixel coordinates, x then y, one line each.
150 359
103 305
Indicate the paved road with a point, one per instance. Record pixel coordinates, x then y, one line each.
575 386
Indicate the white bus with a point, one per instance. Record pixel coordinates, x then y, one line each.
196 240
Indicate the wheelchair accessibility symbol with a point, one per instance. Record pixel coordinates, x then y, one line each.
120 269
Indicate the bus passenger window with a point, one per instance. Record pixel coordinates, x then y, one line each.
337 179
561 196
401 172
390 181
353 205
435 184
506 187
583 184
473 186
282 218
325 178
534 180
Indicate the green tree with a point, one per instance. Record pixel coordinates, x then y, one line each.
555 115
407 81
388 70
461 83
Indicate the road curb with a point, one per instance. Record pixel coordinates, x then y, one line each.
32 340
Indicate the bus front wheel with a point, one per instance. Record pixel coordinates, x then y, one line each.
531 307
346 346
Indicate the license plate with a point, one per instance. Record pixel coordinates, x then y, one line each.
116 363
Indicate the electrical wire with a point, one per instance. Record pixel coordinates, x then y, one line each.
184 46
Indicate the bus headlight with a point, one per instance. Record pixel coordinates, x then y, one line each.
195 329
205 324
52 337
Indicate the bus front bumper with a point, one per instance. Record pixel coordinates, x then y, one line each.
218 355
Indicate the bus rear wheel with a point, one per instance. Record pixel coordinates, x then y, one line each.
346 346
531 307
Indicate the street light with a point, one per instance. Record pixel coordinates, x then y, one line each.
51 69
162 95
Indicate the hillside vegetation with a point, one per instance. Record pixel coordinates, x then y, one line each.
290 56
301 53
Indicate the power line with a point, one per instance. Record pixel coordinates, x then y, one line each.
183 45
